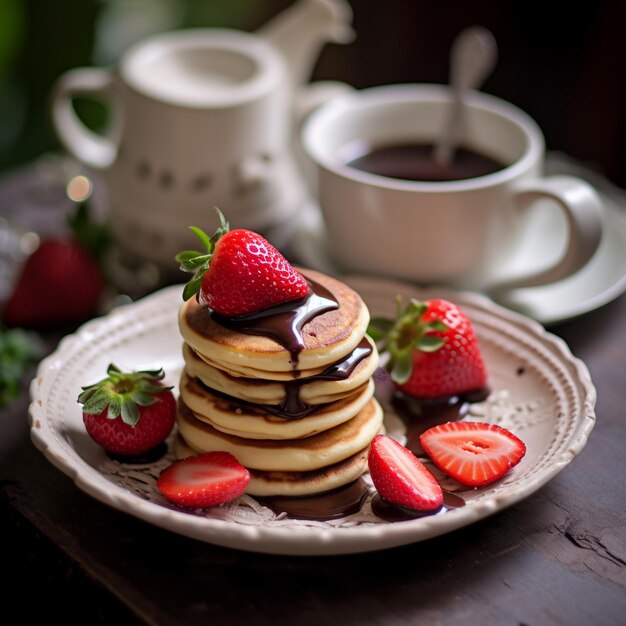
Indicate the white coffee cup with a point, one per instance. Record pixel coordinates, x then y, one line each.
459 232
202 118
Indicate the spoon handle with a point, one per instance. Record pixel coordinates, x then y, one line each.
473 57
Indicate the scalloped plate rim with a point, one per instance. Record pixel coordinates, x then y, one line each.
306 541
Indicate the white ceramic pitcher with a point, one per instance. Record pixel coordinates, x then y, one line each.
202 118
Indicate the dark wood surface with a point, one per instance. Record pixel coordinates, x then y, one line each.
558 557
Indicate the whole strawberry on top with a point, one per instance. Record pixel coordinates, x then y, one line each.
240 273
433 351
128 413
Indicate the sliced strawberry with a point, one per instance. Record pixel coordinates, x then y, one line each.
204 480
400 478
240 273
473 453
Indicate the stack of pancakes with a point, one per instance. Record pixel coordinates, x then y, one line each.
299 429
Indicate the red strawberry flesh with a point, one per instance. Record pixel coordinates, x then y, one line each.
473 453
400 478
204 481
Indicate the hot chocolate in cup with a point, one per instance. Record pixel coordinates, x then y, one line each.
389 210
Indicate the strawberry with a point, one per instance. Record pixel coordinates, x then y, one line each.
60 284
240 273
433 351
473 453
128 413
204 480
401 478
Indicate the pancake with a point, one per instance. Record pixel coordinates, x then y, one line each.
327 337
296 483
320 450
311 390
253 422
245 371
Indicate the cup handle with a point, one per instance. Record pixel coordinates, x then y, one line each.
92 149
583 211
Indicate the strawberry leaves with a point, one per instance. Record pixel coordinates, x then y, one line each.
403 337
123 394
197 263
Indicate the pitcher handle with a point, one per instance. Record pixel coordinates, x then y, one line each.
92 149
313 95
582 207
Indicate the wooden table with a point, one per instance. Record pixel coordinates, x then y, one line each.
558 557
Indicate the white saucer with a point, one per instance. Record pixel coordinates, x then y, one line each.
603 279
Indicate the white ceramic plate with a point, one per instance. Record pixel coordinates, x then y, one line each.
540 391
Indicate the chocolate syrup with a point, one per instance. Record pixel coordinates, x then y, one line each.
394 513
420 414
284 322
292 406
322 506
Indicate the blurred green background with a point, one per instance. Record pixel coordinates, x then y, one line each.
564 65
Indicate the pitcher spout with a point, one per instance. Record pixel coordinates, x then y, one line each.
300 32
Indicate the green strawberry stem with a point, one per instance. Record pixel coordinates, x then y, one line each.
197 263
94 236
123 393
402 337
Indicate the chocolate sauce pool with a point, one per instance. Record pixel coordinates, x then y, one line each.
284 322
333 504
420 414
394 513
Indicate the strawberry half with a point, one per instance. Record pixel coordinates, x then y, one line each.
128 413
204 481
473 453
433 350
240 272
400 478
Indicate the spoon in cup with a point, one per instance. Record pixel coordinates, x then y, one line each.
472 58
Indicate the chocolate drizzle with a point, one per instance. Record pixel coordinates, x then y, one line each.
322 506
292 406
394 513
284 322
